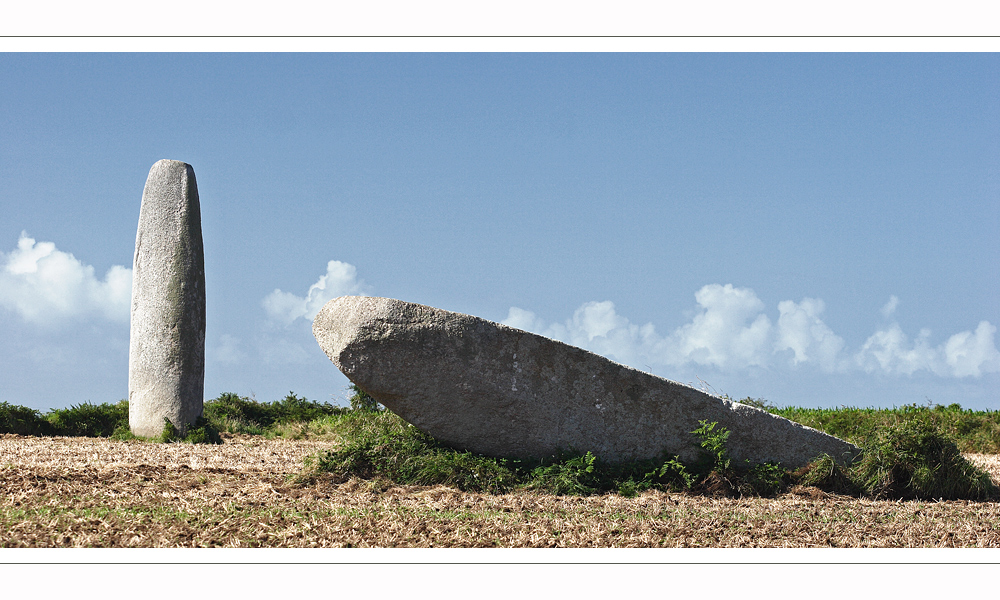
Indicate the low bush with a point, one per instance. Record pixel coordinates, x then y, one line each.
89 420
380 444
827 474
23 421
200 432
914 459
910 460
570 474
237 414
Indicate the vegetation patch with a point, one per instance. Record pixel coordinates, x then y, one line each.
973 431
913 452
911 459
914 459
379 444
201 432
23 421
238 414
89 420
228 413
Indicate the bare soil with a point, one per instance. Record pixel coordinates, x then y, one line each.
253 492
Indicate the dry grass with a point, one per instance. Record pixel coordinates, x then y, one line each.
73 492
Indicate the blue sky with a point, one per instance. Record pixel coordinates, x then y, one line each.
813 229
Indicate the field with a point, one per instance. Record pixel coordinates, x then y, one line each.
252 491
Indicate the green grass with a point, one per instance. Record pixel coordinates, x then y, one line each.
227 413
239 414
381 445
906 456
916 459
908 452
973 431
90 420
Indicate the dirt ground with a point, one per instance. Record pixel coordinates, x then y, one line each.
252 492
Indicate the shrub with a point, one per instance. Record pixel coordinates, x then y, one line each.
764 479
914 459
673 475
200 432
973 431
827 474
23 421
236 414
381 444
715 455
567 475
89 420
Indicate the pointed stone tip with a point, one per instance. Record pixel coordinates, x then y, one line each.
170 166
339 320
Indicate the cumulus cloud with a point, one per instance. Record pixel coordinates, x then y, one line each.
730 331
341 279
802 331
45 285
523 319
965 354
719 334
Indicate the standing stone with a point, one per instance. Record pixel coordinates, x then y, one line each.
492 389
166 359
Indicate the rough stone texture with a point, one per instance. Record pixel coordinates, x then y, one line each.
500 391
166 360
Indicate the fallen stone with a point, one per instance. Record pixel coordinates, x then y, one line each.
491 389
166 360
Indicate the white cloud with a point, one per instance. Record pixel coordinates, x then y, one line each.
890 307
523 319
45 285
597 327
972 354
718 335
965 354
802 331
341 279
730 332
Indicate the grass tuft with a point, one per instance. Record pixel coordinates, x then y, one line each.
201 432
575 475
381 444
914 459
